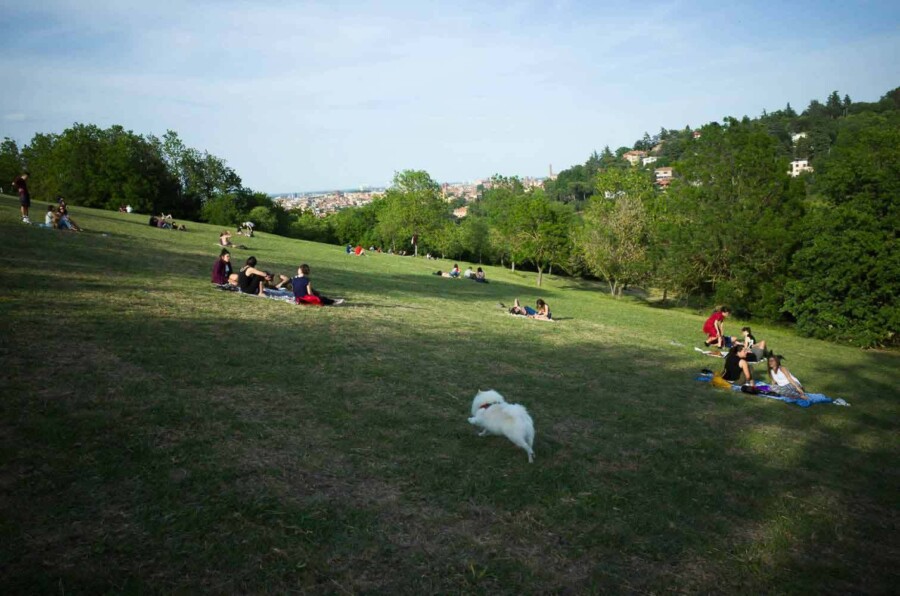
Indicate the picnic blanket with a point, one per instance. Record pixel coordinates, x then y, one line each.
281 295
765 391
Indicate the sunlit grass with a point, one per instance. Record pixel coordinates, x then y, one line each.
159 435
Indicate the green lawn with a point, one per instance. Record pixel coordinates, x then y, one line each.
159 436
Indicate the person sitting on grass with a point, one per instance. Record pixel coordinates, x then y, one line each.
479 276
304 292
468 273
222 273
542 312
51 218
225 238
758 348
65 222
714 326
736 365
783 382
455 271
253 281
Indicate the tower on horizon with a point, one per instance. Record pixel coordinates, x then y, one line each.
551 171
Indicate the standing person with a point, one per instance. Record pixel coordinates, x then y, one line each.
783 382
304 293
714 328
21 185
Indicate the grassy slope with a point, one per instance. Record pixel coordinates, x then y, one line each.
159 435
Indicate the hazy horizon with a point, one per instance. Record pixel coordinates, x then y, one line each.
342 95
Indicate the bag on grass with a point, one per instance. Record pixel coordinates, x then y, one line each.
718 381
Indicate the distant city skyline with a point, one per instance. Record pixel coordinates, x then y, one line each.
337 95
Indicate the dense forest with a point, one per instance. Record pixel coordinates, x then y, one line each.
729 226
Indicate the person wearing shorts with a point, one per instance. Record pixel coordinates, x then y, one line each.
21 184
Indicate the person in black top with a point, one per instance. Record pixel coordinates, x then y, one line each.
736 364
252 280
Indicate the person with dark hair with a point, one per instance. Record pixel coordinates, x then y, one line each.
479 276
542 312
222 273
252 280
21 185
758 348
714 328
783 382
736 365
455 271
304 292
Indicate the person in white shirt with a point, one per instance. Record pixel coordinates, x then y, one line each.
783 382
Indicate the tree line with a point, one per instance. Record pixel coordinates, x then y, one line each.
732 227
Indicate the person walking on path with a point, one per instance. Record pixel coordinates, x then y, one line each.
21 184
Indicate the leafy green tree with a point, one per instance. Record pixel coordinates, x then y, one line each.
306 226
10 164
358 226
264 218
846 275
447 240
613 241
541 231
222 210
475 237
413 209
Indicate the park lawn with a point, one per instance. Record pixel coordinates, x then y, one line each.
158 435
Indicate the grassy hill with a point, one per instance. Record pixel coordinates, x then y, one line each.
157 435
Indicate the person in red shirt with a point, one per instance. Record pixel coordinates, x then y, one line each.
714 329
21 185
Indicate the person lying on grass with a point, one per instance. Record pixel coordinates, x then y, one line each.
542 312
783 382
304 292
736 365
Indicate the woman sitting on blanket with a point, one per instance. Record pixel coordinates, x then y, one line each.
783 382
542 312
253 281
304 293
222 273
736 364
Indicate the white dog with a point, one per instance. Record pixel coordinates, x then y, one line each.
491 412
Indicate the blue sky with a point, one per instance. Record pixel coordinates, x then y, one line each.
321 95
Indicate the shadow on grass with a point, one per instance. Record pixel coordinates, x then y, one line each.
195 441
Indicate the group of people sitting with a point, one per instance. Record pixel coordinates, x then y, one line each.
742 353
165 222
57 217
454 273
251 280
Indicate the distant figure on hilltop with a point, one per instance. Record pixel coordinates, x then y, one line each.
21 185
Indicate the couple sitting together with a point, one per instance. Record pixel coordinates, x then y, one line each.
782 382
250 280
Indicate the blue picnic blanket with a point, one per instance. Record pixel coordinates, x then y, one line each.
814 398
